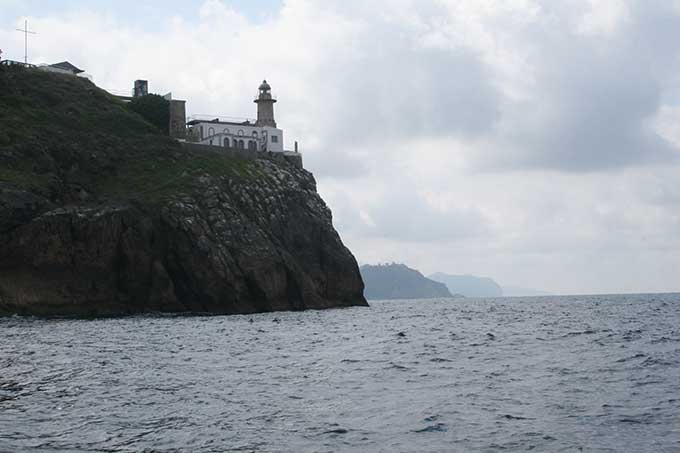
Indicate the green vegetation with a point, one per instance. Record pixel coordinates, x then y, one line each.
40 108
155 179
59 131
153 108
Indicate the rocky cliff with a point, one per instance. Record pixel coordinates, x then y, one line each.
101 214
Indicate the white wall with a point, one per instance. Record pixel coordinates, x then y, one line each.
274 132
218 132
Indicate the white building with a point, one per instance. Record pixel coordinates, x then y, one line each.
64 68
259 135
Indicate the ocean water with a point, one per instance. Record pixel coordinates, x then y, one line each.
591 373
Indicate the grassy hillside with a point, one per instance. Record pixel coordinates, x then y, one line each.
63 135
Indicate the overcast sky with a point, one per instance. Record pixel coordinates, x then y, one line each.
535 142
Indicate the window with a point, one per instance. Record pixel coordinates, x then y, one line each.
252 146
255 134
226 131
201 132
240 132
211 131
241 144
226 142
275 138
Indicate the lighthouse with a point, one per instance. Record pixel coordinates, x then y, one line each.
252 135
265 106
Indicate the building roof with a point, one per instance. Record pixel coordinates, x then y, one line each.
215 121
66 66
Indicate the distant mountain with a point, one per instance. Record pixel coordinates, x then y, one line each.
516 291
397 281
469 285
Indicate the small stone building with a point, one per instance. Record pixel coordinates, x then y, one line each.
177 109
178 119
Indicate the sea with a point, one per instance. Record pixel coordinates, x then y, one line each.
576 373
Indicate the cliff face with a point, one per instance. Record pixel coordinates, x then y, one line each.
99 214
397 281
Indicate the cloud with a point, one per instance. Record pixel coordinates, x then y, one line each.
597 78
400 89
401 213
533 141
404 215
534 85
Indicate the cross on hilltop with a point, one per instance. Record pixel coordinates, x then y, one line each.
26 32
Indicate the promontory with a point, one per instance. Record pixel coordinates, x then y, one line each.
398 281
103 214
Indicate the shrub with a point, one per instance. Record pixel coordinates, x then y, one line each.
153 108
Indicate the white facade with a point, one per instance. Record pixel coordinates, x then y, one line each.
258 135
51 68
236 135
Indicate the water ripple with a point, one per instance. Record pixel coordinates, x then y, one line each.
545 374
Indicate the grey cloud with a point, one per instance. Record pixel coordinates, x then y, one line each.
334 163
590 107
594 98
403 215
400 214
365 95
394 89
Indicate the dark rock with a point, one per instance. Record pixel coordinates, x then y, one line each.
18 206
239 256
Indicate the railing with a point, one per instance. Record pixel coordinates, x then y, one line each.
259 142
193 137
222 118
272 97
126 93
17 63
229 134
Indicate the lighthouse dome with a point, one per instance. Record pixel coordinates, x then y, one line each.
265 86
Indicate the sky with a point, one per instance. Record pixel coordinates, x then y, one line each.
531 141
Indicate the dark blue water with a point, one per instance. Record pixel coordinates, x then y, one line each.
549 374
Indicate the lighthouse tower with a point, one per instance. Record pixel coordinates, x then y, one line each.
265 106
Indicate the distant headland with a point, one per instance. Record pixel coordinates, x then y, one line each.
398 281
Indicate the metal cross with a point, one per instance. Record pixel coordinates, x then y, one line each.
26 32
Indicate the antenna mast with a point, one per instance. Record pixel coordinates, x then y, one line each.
26 32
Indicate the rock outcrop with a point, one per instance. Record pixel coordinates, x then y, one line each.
96 220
